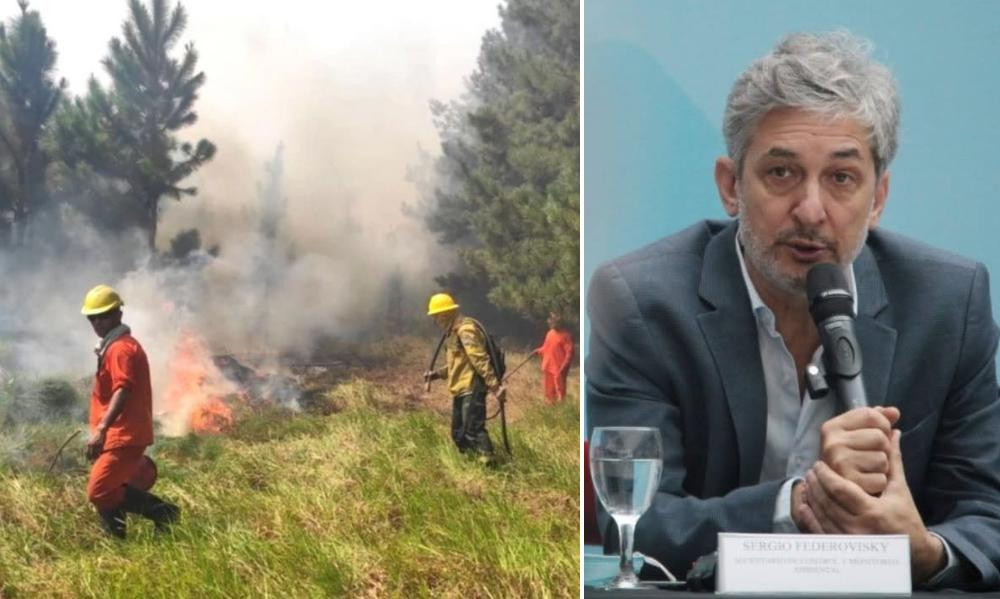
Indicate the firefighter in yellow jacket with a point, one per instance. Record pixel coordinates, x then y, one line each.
469 374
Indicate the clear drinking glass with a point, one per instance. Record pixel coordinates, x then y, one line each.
625 466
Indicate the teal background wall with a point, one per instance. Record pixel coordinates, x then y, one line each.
656 76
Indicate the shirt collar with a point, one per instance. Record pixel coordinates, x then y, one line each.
758 305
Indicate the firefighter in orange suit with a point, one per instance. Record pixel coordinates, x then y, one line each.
469 374
121 420
557 355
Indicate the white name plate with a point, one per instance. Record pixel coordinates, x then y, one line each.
827 564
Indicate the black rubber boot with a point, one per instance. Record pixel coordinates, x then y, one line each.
113 522
147 505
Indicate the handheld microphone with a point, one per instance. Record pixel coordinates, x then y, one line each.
832 307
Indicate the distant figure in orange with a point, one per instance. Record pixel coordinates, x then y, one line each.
557 355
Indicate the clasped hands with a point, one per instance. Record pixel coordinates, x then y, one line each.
858 487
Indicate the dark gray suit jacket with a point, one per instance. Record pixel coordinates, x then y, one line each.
673 344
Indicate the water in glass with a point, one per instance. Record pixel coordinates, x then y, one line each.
625 463
626 486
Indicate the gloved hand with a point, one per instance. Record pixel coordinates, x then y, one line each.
430 375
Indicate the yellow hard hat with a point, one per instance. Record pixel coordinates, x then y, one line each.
101 299
440 302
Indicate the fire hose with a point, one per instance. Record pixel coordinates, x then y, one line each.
503 424
501 408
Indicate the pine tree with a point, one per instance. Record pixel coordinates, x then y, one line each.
129 132
28 96
510 194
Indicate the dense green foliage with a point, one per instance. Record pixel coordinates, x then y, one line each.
28 97
365 497
508 194
128 133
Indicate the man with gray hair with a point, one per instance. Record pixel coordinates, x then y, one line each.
707 335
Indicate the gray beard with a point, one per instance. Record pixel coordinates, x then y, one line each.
762 257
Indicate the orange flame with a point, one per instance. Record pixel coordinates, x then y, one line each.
212 416
196 391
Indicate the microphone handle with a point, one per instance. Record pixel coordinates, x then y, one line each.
850 392
842 358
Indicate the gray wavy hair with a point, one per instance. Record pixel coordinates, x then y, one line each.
830 73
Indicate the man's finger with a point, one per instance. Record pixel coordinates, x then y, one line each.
869 470
872 462
865 439
897 474
807 520
849 499
850 452
804 518
890 412
821 505
873 483
859 418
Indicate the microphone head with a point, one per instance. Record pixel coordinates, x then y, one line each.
828 293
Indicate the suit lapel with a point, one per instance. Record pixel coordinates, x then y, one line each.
876 336
731 334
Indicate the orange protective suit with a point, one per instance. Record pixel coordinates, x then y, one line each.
124 365
557 354
112 470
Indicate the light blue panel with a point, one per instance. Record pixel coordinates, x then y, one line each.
656 76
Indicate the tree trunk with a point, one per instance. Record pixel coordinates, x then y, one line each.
151 203
20 214
6 229
17 228
20 207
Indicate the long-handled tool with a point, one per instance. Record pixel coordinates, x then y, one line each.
437 350
61 448
518 367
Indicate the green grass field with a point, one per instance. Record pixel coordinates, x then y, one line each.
364 497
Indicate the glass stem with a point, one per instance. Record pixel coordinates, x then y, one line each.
626 535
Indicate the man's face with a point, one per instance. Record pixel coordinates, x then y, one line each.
553 321
444 319
807 193
103 323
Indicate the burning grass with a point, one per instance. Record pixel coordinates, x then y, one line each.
363 496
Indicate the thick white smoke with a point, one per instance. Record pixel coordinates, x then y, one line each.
351 111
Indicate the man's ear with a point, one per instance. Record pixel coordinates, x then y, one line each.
881 195
725 180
